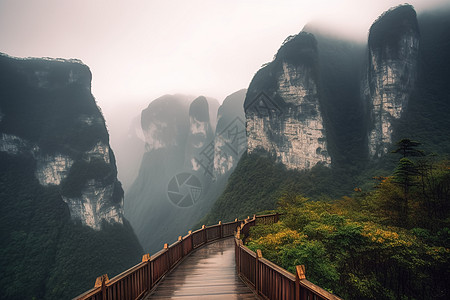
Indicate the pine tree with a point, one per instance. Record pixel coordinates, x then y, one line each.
407 148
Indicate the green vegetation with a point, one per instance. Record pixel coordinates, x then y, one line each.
260 181
392 242
82 171
48 113
344 114
388 242
43 253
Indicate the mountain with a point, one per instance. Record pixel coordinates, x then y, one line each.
165 123
192 146
426 116
230 140
61 202
282 107
323 116
393 50
200 134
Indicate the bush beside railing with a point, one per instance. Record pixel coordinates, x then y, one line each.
268 280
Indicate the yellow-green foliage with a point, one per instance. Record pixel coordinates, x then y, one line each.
355 247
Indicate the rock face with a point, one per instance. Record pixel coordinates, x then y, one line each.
55 157
230 140
179 180
51 170
199 136
165 198
393 49
282 107
94 205
61 203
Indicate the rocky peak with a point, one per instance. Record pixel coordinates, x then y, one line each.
49 114
165 122
230 140
282 107
200 135
393 48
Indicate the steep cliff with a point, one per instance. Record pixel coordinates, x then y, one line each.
169 194
282 107
199 136
165 124
393 49
404 79
186 164
230 140
53 130
426 117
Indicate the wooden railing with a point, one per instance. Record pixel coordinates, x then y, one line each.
137 281
268 280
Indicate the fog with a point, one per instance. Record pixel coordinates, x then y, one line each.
140 50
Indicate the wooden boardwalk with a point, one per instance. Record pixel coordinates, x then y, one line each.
208 273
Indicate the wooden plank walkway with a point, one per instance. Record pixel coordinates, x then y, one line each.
208 273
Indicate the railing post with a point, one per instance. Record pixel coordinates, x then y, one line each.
299 275
221 229
151 270
238 263
205 237
240 258
192 240
166 255
101 283
257 274
146 258
180 248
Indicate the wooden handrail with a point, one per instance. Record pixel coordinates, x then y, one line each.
140 279
267 279
258 272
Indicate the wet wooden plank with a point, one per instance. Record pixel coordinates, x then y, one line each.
208 273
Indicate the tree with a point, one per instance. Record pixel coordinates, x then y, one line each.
404 177
407 148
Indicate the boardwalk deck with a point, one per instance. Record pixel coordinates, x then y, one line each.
208 273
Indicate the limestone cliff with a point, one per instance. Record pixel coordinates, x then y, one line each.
393 49
48 125
282 107
186 164
166 198
230 140
199 136
61 207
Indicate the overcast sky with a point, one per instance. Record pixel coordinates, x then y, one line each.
140 50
